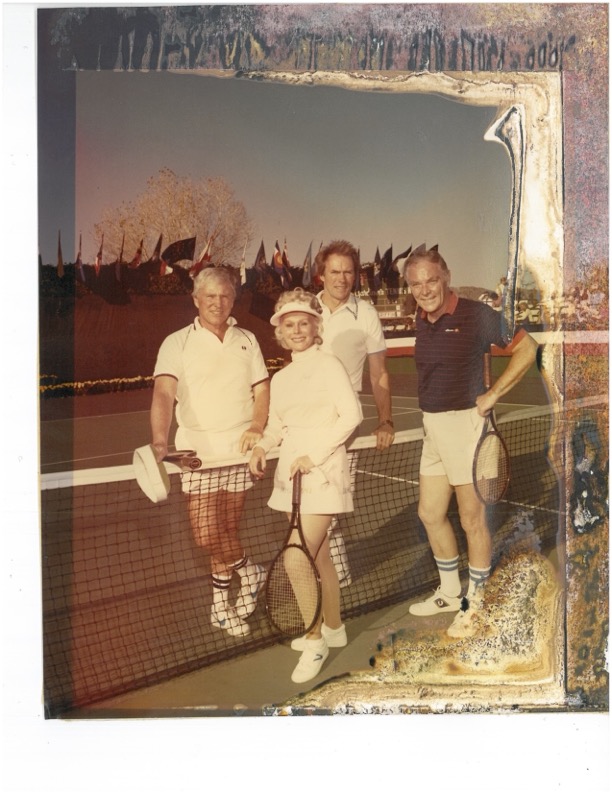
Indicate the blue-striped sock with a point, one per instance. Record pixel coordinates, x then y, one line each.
448 569
477 578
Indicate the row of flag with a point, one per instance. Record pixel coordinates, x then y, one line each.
385 268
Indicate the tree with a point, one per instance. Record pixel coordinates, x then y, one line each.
178 207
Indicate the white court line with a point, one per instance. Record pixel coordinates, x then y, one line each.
391 478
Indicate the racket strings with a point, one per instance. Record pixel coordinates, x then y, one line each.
293 592
492 468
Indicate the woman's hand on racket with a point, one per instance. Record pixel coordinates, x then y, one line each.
303 464
257 462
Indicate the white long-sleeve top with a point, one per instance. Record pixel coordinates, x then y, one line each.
313 411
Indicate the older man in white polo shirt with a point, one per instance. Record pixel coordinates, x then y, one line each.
353 332
215 372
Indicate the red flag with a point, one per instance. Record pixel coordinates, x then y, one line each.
98 261
205 257
135 262
60 258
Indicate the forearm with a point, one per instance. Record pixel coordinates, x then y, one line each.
381 390
261 407
162 407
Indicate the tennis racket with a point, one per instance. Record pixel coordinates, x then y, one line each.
491 466
293 585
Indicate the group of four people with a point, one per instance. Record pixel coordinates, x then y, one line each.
226 406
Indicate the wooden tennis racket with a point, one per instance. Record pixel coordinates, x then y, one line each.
491 465
293 585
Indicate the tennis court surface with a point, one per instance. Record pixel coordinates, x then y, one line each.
126 593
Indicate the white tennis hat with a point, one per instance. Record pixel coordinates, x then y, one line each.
293 307
151 475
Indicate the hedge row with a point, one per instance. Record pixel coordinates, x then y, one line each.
50 388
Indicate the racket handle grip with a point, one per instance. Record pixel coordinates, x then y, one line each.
297 488
487 370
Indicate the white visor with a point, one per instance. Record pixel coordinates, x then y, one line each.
292 307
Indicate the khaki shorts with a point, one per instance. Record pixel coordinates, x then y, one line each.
231 478
449 445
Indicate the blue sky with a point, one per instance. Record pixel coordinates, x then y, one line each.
309 163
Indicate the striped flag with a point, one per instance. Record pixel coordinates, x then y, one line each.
60 258
98 261
204 258
279 267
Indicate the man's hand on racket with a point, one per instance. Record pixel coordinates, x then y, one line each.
303 464
485 403
257 462
250 438
160 450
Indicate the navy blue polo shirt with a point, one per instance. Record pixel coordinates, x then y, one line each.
449 354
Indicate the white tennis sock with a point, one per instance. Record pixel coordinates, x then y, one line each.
448 569
477 578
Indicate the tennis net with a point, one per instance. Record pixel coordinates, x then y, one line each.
127 592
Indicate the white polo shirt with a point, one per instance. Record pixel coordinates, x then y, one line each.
215 378
351 333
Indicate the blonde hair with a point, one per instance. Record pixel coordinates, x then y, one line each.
298 295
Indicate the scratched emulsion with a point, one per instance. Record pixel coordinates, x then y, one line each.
507 41
514 658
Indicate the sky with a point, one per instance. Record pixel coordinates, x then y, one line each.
310 164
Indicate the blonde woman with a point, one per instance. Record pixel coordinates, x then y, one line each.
313 411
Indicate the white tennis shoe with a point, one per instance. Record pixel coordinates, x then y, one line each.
227 619
334 638
437 603
311 661
250 587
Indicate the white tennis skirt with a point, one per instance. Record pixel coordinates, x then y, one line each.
326 489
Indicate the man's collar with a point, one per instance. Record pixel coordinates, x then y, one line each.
230 323
350 304
452 301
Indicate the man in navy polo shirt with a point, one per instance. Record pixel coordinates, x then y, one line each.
452 336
